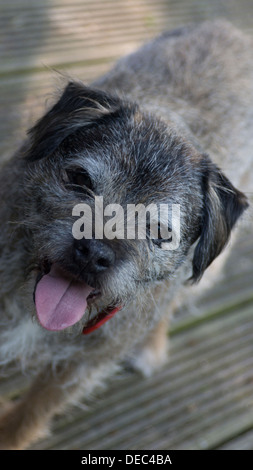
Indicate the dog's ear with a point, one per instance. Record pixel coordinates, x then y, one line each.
223 205
79 106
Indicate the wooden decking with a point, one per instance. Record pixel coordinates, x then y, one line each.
203 399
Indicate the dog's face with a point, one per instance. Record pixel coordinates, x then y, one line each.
92 147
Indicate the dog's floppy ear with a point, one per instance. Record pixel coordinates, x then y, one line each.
223 205
79 106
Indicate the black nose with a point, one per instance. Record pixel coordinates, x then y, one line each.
95 255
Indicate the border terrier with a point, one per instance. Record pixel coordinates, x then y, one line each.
169 124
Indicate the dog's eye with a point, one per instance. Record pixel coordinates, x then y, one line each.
78 180
158 241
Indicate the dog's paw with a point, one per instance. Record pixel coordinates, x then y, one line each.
5 433
18 427
148 360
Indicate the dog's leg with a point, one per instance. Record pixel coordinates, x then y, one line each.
28 419
153 353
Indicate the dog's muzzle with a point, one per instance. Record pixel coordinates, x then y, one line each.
62 297
94 255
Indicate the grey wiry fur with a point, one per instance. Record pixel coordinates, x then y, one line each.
151 131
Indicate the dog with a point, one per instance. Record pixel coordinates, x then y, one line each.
171 125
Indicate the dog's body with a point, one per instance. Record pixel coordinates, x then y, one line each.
186 94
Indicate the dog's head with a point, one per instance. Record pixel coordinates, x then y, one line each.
94 156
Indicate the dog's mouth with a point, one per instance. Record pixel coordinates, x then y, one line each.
61 302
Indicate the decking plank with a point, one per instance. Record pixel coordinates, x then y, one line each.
242 442
203 398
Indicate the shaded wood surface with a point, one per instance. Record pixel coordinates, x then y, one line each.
204 398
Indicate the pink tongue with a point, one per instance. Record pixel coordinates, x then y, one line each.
60 301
